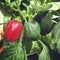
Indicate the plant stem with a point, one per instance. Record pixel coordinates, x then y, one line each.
22 15
2 23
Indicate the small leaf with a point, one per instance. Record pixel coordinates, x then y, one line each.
48 38
24 13
35 48
44 55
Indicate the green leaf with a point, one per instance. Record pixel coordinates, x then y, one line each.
7 1
42 8
58 46
50 41
13 52
25 55
57 36
48 38
44 55
24 13
56 31
55 6
13 4
32 30
36 48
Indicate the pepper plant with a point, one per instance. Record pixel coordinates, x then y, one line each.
30 27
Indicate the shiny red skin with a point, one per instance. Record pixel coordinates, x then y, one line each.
13 30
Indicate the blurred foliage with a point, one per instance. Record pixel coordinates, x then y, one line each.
41 20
